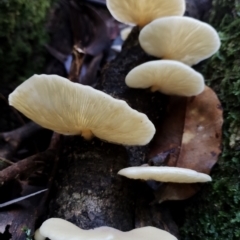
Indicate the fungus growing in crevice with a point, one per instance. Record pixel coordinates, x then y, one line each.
142 12
180 38
165 174
73 109
59 229
166 76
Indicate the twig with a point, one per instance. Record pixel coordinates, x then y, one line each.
21 198
26 165
6 161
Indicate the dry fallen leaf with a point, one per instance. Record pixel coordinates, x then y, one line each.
192 130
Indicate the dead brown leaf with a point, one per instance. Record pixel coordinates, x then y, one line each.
192 130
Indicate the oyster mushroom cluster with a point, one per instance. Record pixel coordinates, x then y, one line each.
73 109
180 42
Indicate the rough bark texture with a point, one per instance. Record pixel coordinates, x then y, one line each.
89 189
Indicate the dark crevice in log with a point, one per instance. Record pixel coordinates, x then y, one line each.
113 83
149 214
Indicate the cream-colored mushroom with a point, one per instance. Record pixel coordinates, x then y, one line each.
74 109
179 38
59 229
142 12
125 33
166 76
165 174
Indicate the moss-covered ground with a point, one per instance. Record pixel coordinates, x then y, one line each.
22 36
215 212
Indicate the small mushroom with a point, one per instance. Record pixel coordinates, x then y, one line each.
142 12
179 38
165 174
125 33
59 229
168 77
74 109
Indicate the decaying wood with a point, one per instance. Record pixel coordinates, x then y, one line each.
15 217
147 213
90 193
29 212
25 166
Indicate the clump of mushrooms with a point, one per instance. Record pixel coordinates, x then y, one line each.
176 38
59 229
70 108
180 41
74 109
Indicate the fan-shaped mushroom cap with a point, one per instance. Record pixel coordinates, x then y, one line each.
56 229
73 109
166 76
179 38
142 12
165 174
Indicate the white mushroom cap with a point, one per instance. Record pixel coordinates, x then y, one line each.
142 12
180 38
125 33
59 229
73 109
165 174
168 77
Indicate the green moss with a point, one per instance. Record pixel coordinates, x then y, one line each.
22 36
215 212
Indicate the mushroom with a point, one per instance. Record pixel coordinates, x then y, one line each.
165 174
125 33
73 109
166 76
142 12
179 38
59 229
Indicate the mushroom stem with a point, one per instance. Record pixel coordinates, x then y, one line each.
38 235
87 134
154 88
